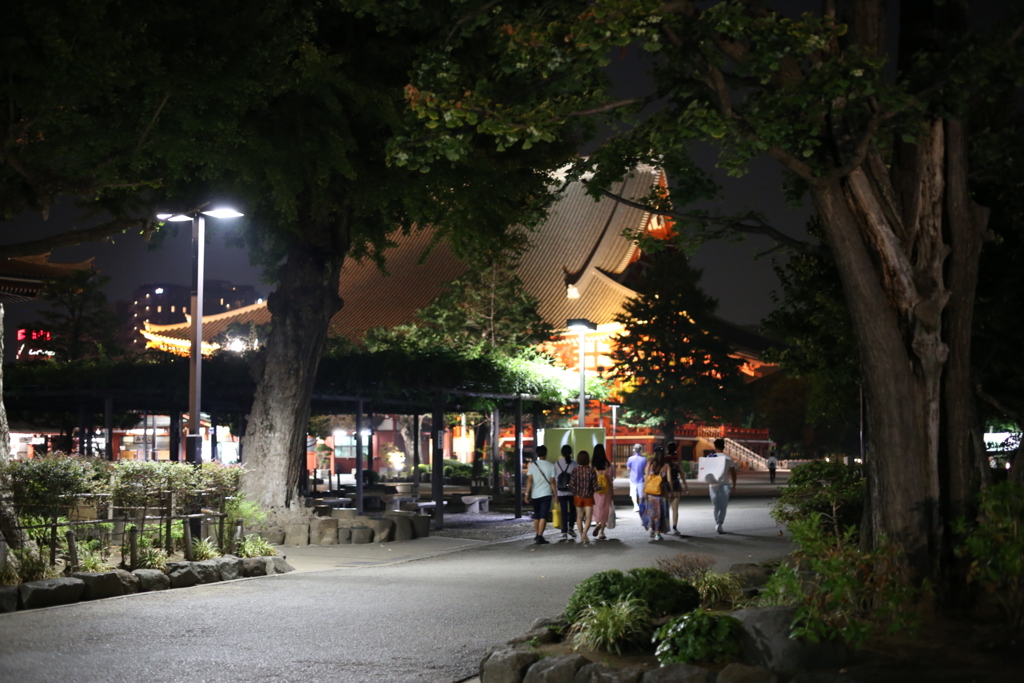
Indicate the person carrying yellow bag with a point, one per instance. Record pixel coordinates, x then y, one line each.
654 506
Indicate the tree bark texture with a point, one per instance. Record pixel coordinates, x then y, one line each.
907 241
301 309
9 526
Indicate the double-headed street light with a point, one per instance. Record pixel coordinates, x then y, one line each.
582 326
194 440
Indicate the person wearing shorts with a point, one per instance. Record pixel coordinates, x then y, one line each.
540 488
583 484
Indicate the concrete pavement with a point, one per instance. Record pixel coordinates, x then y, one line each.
425 610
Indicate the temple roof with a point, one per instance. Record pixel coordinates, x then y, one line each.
22 277
580 243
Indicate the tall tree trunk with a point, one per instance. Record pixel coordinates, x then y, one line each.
301 309
892 229
9 527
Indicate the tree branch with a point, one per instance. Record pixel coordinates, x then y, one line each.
75 237
470 17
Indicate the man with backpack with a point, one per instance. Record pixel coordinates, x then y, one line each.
563 474
540 482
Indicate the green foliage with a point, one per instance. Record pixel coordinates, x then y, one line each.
241 509
678 370
850 593
661 592
80 322
90 560
696 570
152 558
9 573
698 636
994 546
830 492
784 587
47 486
30 564
624 624
204 549
253 545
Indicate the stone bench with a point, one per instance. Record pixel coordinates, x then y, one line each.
477 504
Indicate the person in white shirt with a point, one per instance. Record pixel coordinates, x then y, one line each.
773 462
540 489
720 491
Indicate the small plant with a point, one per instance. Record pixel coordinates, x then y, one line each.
662 593
9 574
254 546
695 569
783 588
204 549
995 548
624 624
698 637
152 558
601 588
830 491
31 564
90 560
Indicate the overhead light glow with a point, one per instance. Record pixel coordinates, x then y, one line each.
223 212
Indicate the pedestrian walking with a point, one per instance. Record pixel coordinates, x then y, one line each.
677 485
773 462
563 473
637 465
654 506
540 488
719 484
583 484
604 496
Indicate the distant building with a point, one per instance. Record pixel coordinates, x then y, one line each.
167 304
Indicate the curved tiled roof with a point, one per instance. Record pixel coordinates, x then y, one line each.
580 243
22 277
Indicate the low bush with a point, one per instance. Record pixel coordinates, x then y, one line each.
831 492
695 569
254 546
662 593
204 549
617 626
994 546
698 636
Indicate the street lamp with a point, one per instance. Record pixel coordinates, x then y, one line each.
582 326
614 405
194 440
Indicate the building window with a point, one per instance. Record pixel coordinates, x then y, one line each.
172 308
159 309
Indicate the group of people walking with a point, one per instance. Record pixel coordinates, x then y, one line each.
584 492
582 487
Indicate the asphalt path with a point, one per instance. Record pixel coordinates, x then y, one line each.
431 619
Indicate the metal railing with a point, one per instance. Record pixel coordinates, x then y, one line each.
741 453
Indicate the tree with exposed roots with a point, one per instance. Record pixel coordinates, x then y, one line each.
867 120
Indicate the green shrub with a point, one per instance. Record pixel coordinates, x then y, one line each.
254 546
623 624
46 486
9 573
695 569
31 564
848 592
994 545
831 491
204 549
91 560
698 636
152 558
662 593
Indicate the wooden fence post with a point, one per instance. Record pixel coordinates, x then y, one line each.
133 545
187 537
72 549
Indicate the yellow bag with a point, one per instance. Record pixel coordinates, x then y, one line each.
602 483
556 514
652 485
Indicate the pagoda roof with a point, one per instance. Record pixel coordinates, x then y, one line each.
22 277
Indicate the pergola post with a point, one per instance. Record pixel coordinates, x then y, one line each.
359 458
416 451
108 427
495 450
175 436
437 463
519 456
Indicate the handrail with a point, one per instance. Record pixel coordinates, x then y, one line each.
738 451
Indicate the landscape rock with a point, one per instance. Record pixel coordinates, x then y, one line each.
99 585
403 525
208 571
344 513
229 567
558 622
296 534
152 580
741 673
354 521
129 582
344 534
279 564
382 529
506 666
765 642
48 592
184 577
421 526
678 673
362 534
255 566
596 672
324 531
540 636
274 536
751 575
555 669
8 599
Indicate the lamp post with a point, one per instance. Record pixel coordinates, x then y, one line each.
582 326
194 440
614 405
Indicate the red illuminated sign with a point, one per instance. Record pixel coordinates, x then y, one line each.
34 335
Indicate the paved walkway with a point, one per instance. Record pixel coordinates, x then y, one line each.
424 610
